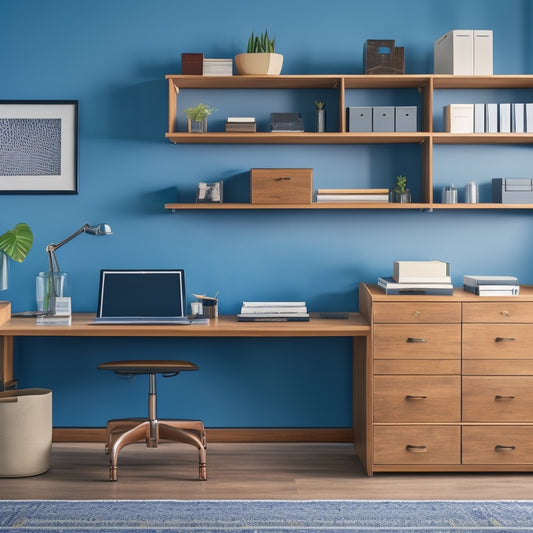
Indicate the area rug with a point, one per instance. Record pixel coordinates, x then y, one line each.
264 516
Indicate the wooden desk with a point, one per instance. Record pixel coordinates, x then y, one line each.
224 326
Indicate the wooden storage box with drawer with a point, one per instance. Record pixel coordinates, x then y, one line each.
281 185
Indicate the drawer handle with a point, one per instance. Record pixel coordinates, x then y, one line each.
506 313
287 178
414 339
417 314
416 397
504 449
500 397
416 449
504 339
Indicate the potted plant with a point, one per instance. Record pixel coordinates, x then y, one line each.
320 116
400 194
15 244
260 58
197 117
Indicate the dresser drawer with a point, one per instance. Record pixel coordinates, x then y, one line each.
416 312
497 399
498 445
417 445
494 312
417 341
497 341
417 398
497 367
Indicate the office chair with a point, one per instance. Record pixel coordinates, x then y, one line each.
121 432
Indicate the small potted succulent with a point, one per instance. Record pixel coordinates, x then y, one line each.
197 117
400 194
260 58
14 244
320 116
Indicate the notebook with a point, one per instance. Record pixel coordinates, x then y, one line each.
141 297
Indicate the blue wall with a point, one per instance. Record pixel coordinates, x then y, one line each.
113 56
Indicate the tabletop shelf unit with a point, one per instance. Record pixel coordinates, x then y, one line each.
426 85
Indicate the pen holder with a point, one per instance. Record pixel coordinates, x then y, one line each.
210 307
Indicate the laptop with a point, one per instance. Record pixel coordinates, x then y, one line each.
141 297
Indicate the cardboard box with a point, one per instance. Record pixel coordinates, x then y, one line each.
359 119
405 118
281 185
512 190
383 118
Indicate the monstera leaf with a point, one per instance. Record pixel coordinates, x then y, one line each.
16 243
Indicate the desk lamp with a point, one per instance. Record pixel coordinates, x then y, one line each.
53 265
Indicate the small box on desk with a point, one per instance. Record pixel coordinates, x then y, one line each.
192 64
512 190
281 185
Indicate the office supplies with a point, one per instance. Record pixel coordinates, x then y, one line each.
383 118
454 53
359 119
483 53
141 297
512 190
459 118
517 118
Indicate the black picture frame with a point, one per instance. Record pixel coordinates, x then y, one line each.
38 146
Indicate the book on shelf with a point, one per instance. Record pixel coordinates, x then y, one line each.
240 126
421 271
269 317
273 310
217 67
352 197
352 191
493 290
476 281
393 287
240 119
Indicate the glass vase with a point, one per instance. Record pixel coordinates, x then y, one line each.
397 197
197 126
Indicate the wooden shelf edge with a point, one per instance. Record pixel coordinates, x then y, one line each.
345 206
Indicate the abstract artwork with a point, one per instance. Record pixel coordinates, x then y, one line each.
38 147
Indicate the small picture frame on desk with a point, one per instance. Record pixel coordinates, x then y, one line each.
39 148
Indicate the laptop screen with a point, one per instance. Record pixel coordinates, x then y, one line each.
141 293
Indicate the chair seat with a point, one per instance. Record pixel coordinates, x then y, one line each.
148 366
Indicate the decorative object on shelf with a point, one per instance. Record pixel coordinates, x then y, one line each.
209 304
217 67
54 273
449 195
512 190
241 124
286 122
320 116
14 244
192 64
259 59
197 117
471 193
210 192
39 149
281 185
400 194
383 57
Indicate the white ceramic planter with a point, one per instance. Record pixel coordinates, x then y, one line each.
259 64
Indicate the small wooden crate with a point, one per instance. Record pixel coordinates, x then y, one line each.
281 185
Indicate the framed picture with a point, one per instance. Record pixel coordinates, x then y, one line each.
38 147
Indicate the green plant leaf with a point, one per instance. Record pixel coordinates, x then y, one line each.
17 242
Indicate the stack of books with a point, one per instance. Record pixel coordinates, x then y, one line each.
352 195
286 122
418 277
273 312
217 67
241 124
492 285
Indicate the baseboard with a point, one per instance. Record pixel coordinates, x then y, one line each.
226 435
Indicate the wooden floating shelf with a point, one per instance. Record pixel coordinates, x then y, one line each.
338 205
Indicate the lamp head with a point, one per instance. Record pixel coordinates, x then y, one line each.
101 229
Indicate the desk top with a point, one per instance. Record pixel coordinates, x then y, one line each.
223 326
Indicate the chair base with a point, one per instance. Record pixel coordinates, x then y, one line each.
121 432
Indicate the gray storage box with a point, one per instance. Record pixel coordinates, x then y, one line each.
405 118
359 119
512 190
383 118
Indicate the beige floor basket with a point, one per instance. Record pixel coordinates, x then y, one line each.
25 432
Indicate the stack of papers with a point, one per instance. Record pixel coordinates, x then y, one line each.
273 312
492 285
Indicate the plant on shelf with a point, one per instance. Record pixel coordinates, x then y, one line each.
320 105
197 117
320 116
400 194
260 58
15 244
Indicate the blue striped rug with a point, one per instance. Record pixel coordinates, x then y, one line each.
264 516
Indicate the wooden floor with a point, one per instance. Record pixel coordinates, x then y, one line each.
247 471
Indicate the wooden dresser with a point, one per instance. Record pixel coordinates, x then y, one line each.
447 381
